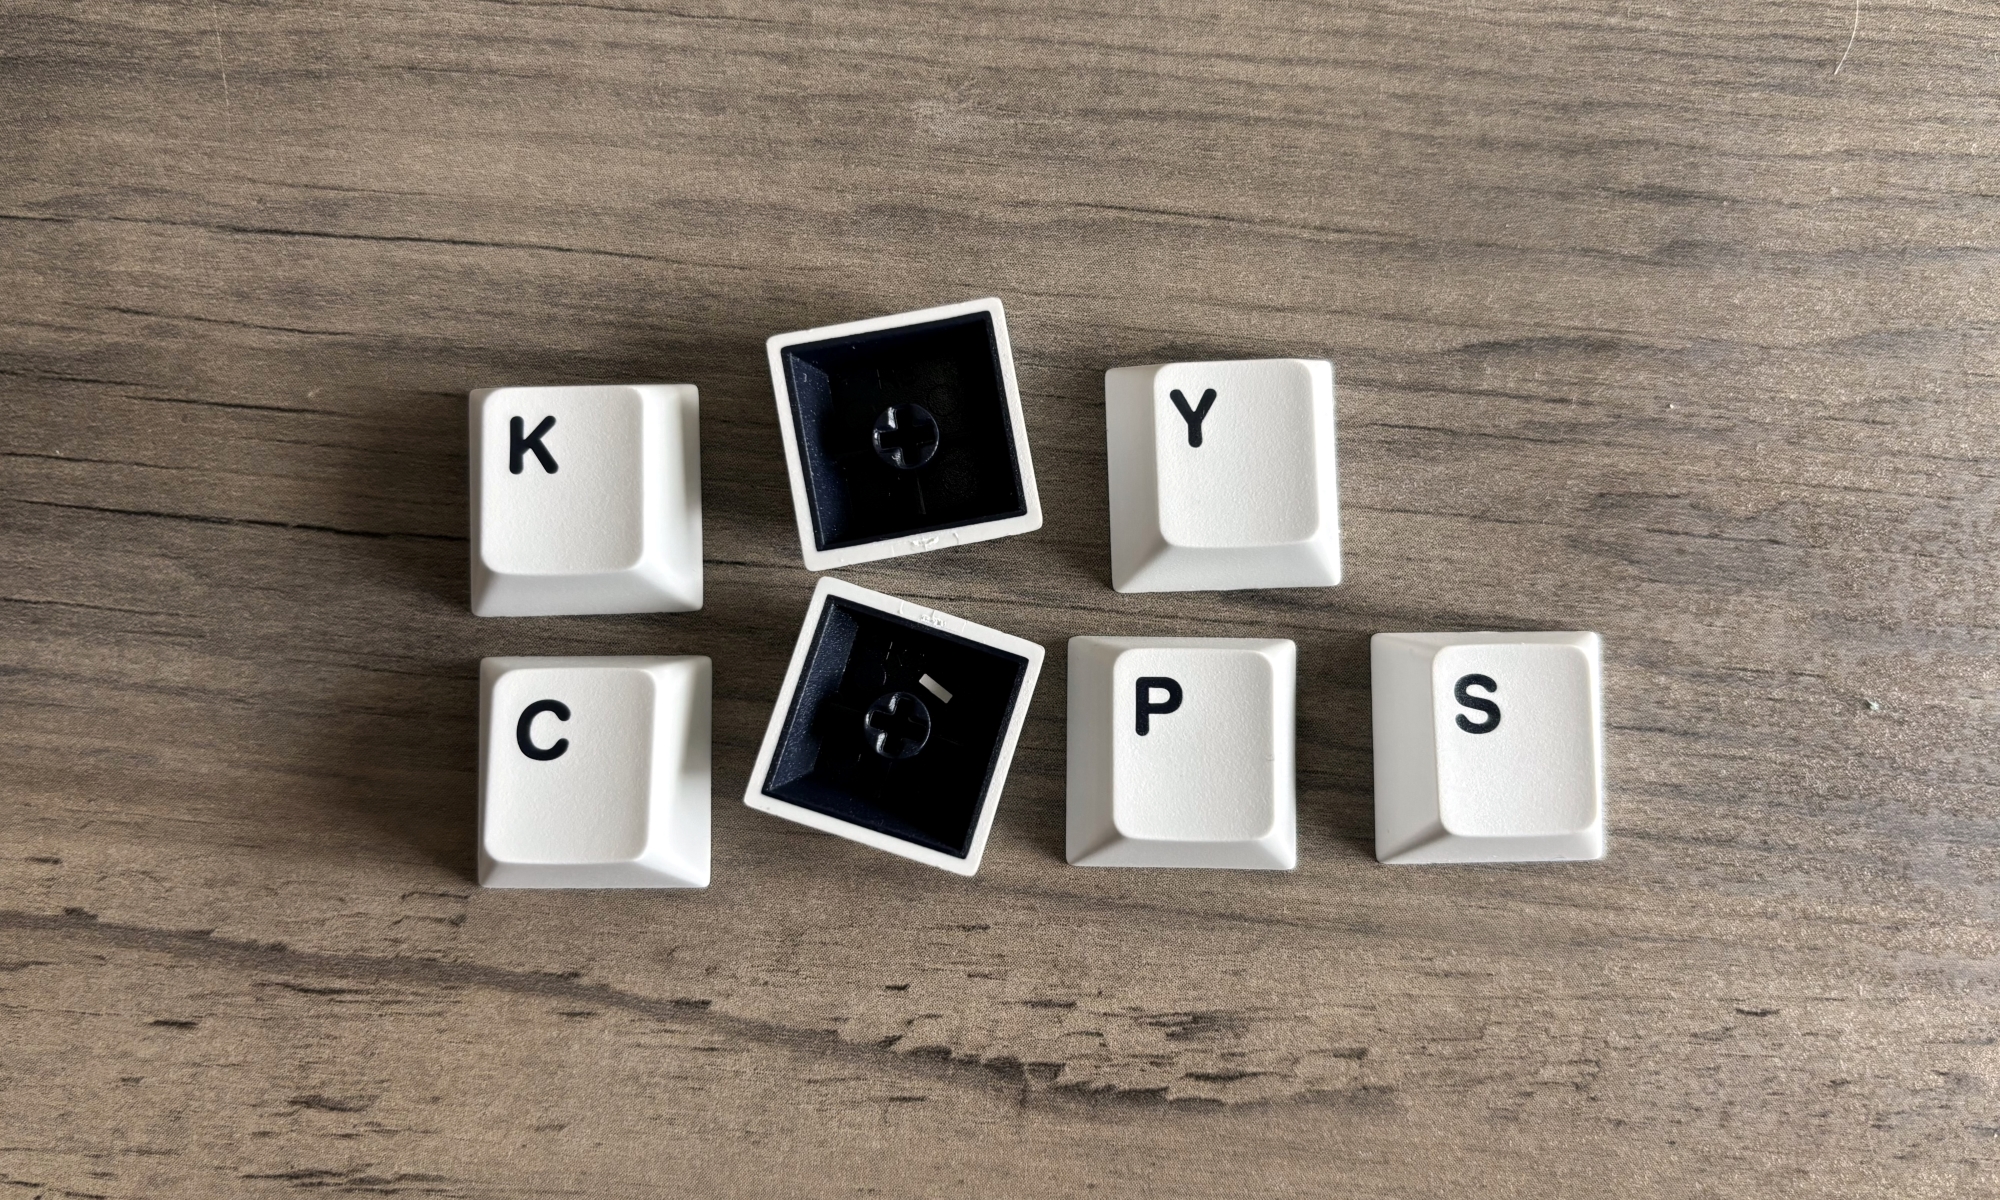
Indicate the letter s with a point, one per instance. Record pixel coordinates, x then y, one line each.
1477 703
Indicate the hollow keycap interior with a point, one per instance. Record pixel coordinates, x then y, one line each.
903 433
895 726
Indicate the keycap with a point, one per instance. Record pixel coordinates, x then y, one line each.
1181 751
1489 747
895 726
593 772
1222 475
903 434
585 500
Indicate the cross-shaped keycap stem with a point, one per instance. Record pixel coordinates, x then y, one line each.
898 725
906 436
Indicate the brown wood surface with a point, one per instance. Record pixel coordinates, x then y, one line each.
1672 321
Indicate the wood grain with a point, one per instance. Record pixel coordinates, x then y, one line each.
1648 320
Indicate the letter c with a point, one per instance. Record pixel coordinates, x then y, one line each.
527 743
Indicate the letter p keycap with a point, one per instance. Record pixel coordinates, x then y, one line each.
1180 752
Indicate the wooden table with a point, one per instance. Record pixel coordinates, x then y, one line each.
1674 322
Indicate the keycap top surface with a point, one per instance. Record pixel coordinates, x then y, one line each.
1209 783
1534 773
1489 747
585 500
589 803
1223 475
1255 478
1203 772
586 516
594 772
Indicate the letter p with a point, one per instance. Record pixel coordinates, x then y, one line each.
1148 684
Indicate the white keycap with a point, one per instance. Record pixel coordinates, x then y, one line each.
1489 747
593 772
1222 476
585 500
895 726
1180 753
903 434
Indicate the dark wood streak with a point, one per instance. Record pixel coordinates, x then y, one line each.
936 1064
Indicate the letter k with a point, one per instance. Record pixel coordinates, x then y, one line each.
518 446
